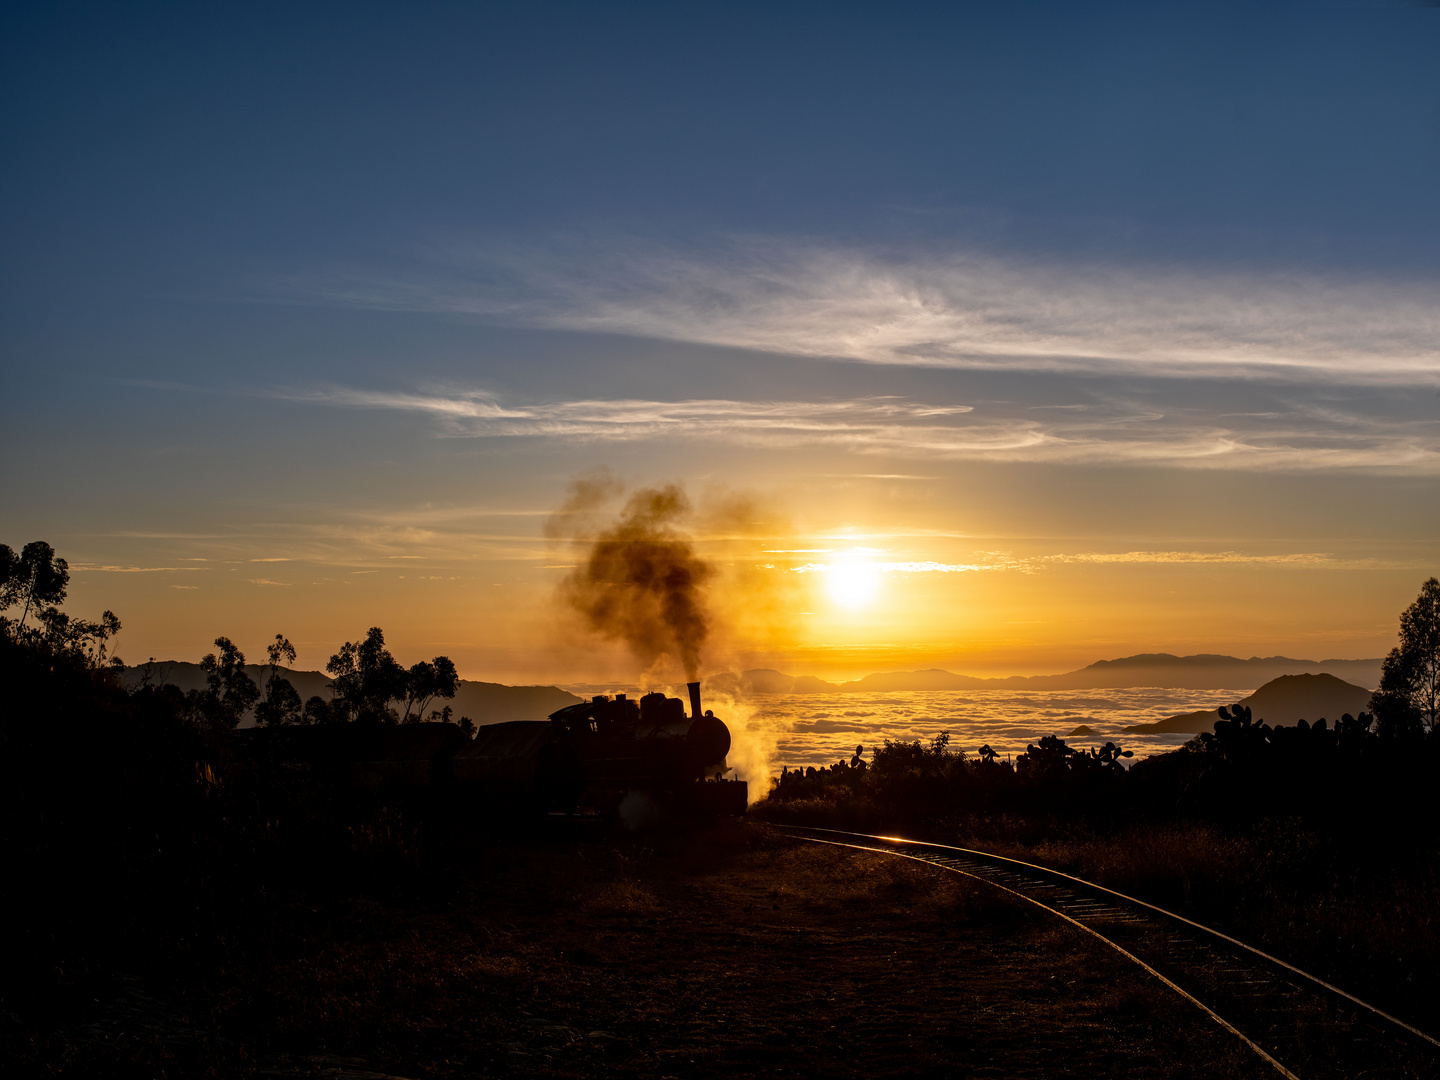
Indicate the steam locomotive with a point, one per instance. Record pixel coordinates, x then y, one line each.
595 753
588 757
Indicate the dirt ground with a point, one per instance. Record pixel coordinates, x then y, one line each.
732 952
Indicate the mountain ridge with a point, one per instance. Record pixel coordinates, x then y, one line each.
1201 671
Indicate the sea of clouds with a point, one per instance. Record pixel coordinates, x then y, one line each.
795 730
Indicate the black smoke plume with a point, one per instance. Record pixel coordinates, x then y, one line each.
640 580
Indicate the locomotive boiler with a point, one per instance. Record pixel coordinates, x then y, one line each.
593 754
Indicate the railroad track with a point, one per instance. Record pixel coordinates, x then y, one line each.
1302 1026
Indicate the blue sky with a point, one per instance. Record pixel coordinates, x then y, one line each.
341 286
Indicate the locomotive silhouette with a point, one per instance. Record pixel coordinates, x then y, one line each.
592 754
587 757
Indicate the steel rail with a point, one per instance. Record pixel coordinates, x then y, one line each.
1139 903
1251 1043
1090 930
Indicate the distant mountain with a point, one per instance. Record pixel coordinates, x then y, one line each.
1205 671
495 703
188 676
1285 700
764 681
483 702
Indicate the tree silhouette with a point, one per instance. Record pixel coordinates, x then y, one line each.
1406 700
230 692
319 711
83 638
36 578
367 679
281 704
426 681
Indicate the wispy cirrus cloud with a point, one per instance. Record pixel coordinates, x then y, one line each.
1222 557
993 561
110 568
990 561
1307 437
963 310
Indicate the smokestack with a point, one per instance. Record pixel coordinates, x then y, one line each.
694 688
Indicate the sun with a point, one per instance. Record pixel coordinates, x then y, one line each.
853 583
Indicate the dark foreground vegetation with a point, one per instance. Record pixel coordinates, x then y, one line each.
178 905
178 908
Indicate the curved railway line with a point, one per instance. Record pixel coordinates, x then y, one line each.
1302 1026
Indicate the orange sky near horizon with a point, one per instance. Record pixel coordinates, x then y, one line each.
893 590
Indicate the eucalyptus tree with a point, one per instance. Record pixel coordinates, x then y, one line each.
1407 699
35 579
426 681
229 691
366 679
281 702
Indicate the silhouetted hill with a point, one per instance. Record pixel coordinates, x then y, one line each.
188 676
483 702
1285 700
495 703
764 681
1205 671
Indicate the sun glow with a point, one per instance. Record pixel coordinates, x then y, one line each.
853 583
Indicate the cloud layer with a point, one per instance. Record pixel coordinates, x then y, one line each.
959 311
1003 561
1310 436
